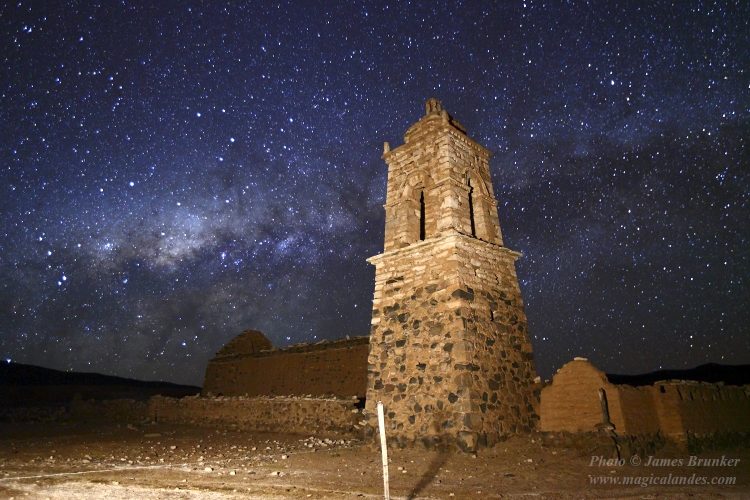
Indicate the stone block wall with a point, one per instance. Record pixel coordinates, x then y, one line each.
675 409
336 368
450 355
295 415
414 334
441 162
497 338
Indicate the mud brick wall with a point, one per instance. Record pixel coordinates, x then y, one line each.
636 410
673 408
295 415
665 401
703 409
571 402
337 368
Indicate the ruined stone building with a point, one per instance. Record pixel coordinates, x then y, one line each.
450 355
449 352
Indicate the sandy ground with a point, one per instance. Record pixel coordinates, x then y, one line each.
75 461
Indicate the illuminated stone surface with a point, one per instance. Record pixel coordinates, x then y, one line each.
450 355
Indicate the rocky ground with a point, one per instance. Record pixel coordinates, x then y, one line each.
59 460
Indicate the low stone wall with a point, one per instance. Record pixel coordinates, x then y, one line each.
26 414
337 368
295 415
113 410
675 409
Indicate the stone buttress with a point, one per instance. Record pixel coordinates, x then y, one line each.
450 356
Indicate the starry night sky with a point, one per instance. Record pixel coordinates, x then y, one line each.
176 172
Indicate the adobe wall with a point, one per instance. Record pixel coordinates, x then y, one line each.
666 406
672 408
702 408
639 414
337 368
571 402
294 415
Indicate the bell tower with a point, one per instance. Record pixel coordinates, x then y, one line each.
450 356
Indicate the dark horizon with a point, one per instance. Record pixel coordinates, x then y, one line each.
729 374
177 173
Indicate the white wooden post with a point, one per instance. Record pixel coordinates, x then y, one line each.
383 451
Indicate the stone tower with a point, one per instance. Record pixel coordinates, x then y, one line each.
450 356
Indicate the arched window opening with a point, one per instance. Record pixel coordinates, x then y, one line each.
471 209
421 217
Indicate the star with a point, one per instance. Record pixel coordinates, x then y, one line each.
192 171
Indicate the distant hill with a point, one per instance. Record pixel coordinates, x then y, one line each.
23 385
710 372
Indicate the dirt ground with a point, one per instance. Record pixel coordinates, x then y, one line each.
75 461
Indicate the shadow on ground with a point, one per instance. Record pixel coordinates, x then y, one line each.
432 470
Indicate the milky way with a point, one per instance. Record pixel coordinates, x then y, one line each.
176 172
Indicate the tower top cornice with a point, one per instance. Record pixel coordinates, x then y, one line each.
435 120
435 115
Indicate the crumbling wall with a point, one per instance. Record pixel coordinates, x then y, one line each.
665 400
295 415
639 415
707 408
337 368
571 402
672 408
